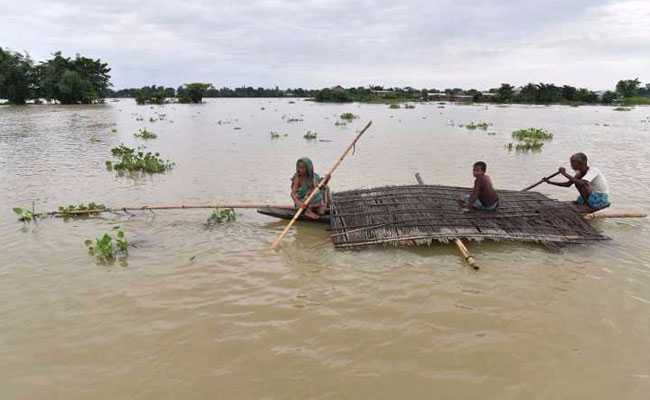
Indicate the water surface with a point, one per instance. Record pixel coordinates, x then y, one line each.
214 313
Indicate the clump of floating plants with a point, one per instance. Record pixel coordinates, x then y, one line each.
27 215
394 106
277 135
133 160
532 134
531 139
311 135
622 109
221 215
80 210
409 106
107 248
290 120
348 116
340 123
478 125
145 134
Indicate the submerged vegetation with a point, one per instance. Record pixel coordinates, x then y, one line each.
108 248
145 134
72 210
221 215
348 116
26 215
192 92
311 135
80 80
532 134
478 125
531 139
133 160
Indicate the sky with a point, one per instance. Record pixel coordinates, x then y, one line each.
320 43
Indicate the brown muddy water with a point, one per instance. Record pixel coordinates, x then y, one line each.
214 313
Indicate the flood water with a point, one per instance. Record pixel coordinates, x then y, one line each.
214 313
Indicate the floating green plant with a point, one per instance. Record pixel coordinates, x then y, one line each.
532 134
114 130
26 215
311 135
108 248
80 210
340 123
409 106
221 215
526 146
622 109
478 125
145 134
348 116
394 106
134 160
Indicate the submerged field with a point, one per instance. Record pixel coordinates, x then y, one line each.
202 310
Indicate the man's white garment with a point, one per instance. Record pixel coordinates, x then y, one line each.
597 180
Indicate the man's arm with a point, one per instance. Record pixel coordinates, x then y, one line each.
571 180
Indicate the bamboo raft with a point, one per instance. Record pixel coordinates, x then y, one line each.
421 214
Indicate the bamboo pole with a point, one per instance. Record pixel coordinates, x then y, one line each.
604 215
168 207
320 185
464 251
540 182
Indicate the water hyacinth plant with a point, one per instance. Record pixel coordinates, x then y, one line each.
532 134
394 106
348 116
221 215
133 160
311 135
80 210
108 248
531 139
145 134
25 214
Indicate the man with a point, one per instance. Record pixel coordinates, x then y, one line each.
589 181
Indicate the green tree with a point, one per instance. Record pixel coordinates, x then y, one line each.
569 93
192 92
72 81
608 97
16 77
628 88
505 93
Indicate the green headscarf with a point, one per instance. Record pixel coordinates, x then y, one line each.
311 181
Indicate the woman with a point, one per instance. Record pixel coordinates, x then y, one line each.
303 183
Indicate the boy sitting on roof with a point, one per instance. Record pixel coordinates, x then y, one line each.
303 183
483 197
590 182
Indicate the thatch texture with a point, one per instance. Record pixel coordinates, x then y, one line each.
420 214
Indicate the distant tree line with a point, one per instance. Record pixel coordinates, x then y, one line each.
157 94
78 80
628 91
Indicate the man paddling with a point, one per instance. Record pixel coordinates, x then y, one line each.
589 181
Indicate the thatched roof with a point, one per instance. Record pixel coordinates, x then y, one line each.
420 214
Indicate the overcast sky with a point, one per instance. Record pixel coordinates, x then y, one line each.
317 43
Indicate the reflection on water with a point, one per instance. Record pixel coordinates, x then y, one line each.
214 313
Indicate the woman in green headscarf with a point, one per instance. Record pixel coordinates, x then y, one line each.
302 184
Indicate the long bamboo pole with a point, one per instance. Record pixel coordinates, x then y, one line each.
464 251
320 185
604 215
168 207
540 181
